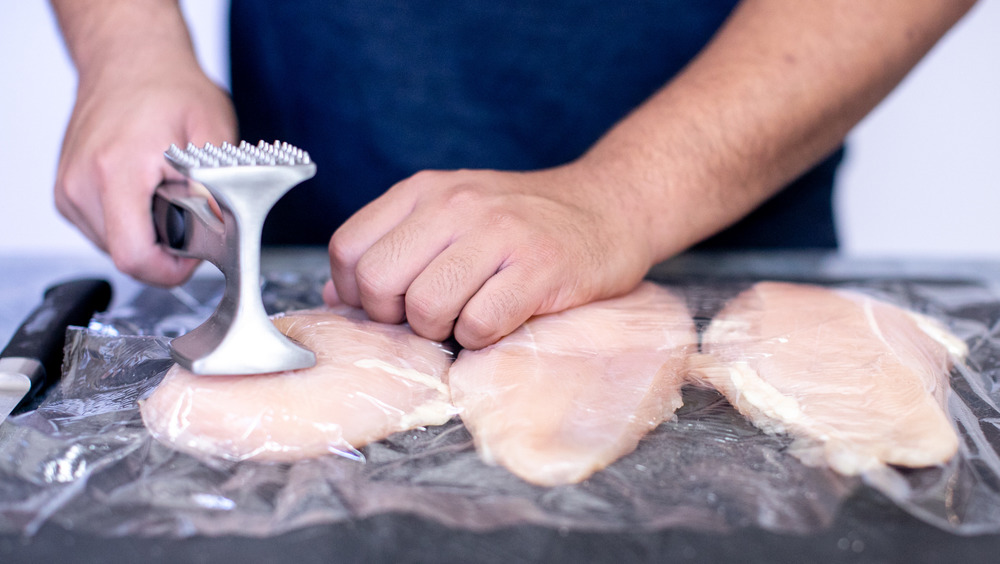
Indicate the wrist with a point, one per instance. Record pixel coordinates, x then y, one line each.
121 39
614 195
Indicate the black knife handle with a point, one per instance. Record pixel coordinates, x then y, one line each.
42 335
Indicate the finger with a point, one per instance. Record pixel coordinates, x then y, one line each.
78 219
77 200
384 273
437 296
197 189
330 296
504 303
362 230
95 238
131 237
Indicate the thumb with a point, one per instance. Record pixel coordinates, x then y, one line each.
330 296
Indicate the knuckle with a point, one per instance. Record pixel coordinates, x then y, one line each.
133 261
126 262
422 178
425 309
463 196
468 198
341 250
472 336
503 218
71 190
63 205
484 324
473 333
373 285
435 331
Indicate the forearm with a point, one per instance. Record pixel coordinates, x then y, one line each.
776 91
114 38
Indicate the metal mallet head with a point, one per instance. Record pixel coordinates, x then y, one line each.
246 181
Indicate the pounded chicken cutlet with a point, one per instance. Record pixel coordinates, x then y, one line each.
569 393
370 380
860 382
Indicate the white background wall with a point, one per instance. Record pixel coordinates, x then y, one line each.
921 177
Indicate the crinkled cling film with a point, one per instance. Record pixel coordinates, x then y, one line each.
84 459
370 380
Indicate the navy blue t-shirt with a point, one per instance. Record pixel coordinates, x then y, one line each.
377 90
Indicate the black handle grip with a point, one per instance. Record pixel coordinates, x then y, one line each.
42 335
170 221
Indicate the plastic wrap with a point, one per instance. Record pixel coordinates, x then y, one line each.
566 394
370 380
84 459
858 382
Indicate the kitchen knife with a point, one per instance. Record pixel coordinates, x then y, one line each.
32 360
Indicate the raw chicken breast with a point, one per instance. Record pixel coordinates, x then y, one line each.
567 394
859 382
370 380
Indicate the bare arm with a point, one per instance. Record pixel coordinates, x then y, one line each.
773 94
478 252
140 88
122 36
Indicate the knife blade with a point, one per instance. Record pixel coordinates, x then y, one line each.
32 360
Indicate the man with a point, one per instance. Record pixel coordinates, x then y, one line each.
623 172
